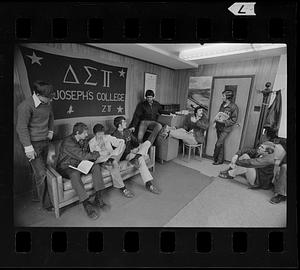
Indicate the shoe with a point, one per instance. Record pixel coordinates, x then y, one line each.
135 162
217 162
153 189
165 132
254 187
225 175
99 203
90 211
49 209
127 193
277 199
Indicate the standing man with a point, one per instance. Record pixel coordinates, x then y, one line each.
73 150
35 129
134 152
145 116
224 127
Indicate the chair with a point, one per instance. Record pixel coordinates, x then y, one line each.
193 147
60 189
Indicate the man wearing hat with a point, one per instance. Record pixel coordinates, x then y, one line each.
35 129
256 164
224 127
194 128
145 116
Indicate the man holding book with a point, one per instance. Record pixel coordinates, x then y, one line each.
224 123
74 149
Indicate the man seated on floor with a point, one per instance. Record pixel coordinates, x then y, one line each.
73 150
134 152
194 128
280 169
145 116
111 150
256 164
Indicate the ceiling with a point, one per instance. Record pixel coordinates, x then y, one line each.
191 55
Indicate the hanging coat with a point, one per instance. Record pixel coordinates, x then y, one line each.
273 114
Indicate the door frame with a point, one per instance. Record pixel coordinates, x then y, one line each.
247 107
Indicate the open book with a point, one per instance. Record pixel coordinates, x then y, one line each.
84 166
221 117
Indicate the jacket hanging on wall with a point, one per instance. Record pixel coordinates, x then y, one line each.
273 114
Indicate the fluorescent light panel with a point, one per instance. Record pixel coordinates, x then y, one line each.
223 49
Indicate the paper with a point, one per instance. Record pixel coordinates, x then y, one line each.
84 166
221 117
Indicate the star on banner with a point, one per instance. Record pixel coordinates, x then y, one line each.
122 73
120 109
35 59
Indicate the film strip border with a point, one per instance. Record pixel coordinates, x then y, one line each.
146 22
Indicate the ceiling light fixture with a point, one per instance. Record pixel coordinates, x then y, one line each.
226 49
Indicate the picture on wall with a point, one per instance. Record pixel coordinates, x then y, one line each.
150 82
199 92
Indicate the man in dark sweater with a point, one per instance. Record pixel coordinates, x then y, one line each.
73 150
35 129
134 152
256 164
145 116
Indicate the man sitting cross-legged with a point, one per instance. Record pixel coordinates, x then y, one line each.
256 164
109 157
134 152
73 150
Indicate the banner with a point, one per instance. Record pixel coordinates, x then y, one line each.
82 87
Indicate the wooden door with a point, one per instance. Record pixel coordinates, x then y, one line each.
242 87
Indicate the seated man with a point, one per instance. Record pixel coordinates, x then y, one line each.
280 169
256 164
109 157
73 150
280 190
145 116
194 128
134 152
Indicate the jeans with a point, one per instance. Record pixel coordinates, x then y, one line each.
183 135
250 173
75 177
38 166
280 181
153 125
143 169
219 146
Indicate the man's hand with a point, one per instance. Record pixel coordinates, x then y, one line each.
50 135
31 155
132 129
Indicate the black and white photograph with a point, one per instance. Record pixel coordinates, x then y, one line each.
150 135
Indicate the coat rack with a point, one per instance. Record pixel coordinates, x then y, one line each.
265 103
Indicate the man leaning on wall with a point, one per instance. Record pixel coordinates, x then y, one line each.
35 129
